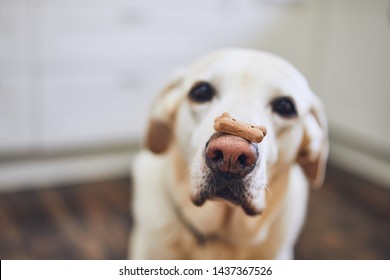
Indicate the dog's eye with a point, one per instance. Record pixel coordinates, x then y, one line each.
284 107
202 92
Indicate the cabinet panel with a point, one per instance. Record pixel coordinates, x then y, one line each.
105 101
15 121
118 31
14 40
89 111
20 76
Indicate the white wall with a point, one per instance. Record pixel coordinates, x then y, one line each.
73 73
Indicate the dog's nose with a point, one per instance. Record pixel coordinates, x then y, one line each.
231 156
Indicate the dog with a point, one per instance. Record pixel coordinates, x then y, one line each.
202 194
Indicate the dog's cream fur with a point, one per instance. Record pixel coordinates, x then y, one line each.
172 170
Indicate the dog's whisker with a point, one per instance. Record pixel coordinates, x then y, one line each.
268 189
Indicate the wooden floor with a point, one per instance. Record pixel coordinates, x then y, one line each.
348 218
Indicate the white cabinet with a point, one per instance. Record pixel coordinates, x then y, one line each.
78 73
14 114
16 81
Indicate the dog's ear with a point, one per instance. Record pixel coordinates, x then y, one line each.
159 133
314 148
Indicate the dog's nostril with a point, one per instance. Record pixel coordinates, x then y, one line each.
243 159
218 155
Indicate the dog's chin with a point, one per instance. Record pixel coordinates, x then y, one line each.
232 190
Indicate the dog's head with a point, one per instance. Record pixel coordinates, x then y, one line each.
257 88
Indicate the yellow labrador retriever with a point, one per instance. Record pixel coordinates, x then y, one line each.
202 194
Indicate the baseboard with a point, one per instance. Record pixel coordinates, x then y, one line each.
355 152
360 163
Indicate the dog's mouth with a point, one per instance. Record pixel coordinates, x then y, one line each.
230 165
233 190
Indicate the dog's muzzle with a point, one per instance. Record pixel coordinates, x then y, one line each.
230 160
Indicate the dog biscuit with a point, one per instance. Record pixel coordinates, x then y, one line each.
225 123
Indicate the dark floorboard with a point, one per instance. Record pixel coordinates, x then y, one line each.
348 218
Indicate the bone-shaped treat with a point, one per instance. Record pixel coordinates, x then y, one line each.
225 123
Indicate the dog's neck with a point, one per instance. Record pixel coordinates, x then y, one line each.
201 238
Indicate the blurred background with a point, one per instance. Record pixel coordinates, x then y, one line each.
77 78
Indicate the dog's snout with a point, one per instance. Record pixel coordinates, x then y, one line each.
230 155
